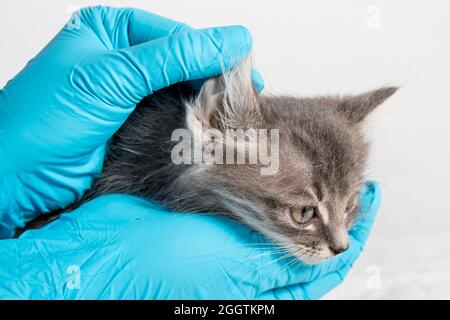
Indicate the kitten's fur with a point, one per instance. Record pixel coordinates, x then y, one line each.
322 158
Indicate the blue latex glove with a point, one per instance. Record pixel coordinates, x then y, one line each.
122 247
57 114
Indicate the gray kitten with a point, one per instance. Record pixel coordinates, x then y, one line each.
306 207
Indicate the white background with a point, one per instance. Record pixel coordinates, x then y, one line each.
317 47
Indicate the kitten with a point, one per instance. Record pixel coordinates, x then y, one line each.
306 206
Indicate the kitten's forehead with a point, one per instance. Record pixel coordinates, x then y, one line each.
321 156
331 153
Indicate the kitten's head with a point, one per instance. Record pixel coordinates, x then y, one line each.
309 202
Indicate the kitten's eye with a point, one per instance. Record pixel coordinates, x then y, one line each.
302 215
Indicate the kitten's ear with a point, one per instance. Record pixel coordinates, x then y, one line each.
357 108
226 101
207 106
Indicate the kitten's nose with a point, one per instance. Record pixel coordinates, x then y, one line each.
338 239
337 249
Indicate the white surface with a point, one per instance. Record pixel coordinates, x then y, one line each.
309 47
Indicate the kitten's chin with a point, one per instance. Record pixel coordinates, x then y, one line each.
322 256
310 261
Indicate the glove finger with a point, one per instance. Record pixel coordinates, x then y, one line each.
124 77
143 26
307 291
190 55
279 273
124 27
370 202
293 292
258 81
318 288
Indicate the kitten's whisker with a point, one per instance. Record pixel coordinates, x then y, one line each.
268 253
180 198
292 260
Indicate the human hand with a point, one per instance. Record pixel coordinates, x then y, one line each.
122 247
58 113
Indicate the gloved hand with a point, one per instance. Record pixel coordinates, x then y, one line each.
57 114
122 247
